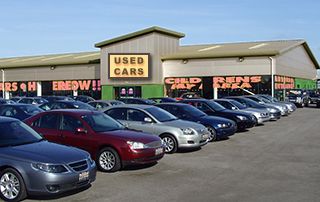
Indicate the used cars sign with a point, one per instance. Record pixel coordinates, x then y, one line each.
129 65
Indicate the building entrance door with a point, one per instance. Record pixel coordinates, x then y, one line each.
127 91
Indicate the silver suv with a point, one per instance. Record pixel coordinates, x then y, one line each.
174 132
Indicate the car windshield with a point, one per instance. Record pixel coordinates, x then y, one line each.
264 99
193 111
30 109
216 106
101 122
17 133
160 114
81 105
238 104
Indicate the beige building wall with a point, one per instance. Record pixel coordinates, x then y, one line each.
60 72
217 67
296 63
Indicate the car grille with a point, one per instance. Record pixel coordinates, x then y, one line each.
79 166
154 144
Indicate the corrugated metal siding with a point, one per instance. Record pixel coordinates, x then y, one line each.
69 72
217 67
156 44
296 63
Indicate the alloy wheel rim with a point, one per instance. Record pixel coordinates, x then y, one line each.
213 134
107 160
9 186
169 144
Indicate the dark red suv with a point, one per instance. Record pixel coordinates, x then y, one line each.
110 144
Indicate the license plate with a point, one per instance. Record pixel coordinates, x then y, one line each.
159 151
84 176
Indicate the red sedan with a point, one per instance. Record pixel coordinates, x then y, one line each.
110 144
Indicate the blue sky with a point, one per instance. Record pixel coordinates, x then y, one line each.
35 27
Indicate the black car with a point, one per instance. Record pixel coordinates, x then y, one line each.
32 100
314 96
243 120
83 98
53 98
299 97
66 104
220 128
19 111
137 101
162 99
275 113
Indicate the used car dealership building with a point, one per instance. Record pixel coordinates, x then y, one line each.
152 63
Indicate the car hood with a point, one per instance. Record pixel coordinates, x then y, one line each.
214 120
257 110
44 152
235 113
183 124
129 135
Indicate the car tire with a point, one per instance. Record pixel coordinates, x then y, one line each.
15 183
171 145
213 134
108 160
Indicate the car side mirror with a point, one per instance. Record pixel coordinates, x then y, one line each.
147 120
81 131
233 108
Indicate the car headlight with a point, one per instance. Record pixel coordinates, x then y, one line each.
242 118
187 131
222 125
49 168
91 161
299 99
272 110
136 145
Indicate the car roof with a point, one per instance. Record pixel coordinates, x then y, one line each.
222 99
173 104
76 111
4 119
17 104
195 99
134 106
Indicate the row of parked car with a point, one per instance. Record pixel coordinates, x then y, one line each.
110 135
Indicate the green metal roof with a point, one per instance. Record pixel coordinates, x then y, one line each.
243 49
51 60
139 33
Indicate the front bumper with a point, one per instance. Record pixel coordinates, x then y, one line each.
263 119
275 116
144 156
43 183
193 141
241 125
225 132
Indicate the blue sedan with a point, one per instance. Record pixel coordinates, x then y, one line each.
220 128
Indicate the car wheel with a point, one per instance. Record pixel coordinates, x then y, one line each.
108 160
170 143
213 134
12 187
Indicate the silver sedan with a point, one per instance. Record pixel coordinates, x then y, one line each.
174 132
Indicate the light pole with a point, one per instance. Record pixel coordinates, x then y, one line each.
3 91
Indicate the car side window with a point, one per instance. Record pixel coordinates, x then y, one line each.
226 105
49 121
136 115
8 111
120 114
70 123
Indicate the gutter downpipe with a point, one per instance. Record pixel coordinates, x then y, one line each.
3 92
272 60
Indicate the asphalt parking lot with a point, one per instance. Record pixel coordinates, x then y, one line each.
279 161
